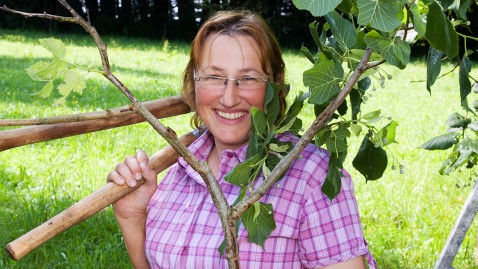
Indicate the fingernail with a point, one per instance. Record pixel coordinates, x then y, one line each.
120 181
132 183
138 176
143 165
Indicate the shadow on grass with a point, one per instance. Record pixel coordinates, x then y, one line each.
28 36
94 243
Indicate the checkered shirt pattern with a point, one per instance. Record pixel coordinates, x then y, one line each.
183 229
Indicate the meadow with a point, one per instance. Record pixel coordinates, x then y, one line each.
406 217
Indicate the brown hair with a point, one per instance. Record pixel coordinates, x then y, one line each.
233 23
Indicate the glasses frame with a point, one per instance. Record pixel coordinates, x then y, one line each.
236 80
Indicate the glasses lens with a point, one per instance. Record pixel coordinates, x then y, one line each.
250 83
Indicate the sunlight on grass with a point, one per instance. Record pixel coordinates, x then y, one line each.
406 217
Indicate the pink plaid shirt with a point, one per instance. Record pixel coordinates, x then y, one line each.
183 229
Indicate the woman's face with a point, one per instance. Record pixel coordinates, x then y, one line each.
225 110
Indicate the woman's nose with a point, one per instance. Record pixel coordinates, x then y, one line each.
230 97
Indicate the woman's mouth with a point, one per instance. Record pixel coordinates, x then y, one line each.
230 116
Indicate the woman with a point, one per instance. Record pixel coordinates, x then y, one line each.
175 224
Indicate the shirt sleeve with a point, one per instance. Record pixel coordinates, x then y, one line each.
330 231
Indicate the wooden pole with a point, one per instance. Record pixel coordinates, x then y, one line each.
161 108
90 205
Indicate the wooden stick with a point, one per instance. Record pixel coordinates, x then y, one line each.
161 108
90 205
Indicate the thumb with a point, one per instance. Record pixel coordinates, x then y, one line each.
142 158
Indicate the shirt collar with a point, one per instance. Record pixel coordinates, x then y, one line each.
201 148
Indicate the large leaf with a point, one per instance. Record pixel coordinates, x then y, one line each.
418 24
370 161
380 14
333 180
259 223
441 142
465 84
342 29
323 80
318 8
440 32
241 174
396 52
433 66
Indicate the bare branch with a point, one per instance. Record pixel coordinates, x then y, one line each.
38 15
319 123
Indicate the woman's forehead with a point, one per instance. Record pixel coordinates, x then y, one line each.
220 51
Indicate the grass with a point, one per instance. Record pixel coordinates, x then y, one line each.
406 217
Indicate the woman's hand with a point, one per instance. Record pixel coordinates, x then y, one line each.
134 168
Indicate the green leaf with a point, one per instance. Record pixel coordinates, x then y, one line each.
322 136
387 133
241 174
342 29
45 91
253 147
318 8
345 6
441 142
55 46
356 129
286 127
456 120
72 82
259 123
370 161
380 14
259 226
307 54
440 32
433 66
337 140
396 53
44 71
418 24
324 81
372 116
356 96
273 107
333 180
277 148
464 80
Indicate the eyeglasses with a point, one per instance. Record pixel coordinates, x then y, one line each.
216 82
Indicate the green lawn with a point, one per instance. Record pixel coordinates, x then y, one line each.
406 217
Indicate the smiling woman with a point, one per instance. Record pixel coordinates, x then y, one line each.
176 225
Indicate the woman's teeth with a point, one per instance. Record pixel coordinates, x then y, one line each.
230 116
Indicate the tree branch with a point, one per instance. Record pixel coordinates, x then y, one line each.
319 123
168 134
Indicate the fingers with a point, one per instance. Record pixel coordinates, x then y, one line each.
131 170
